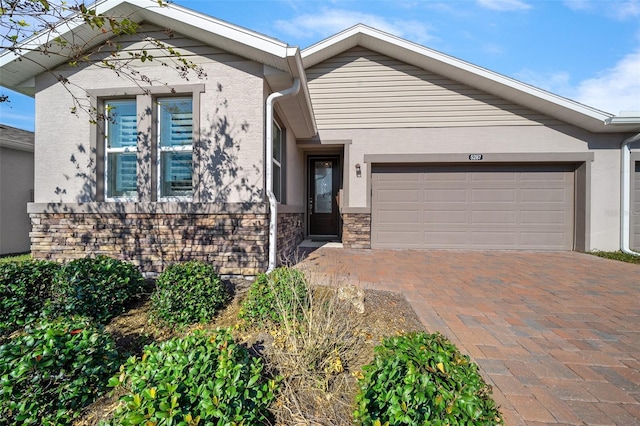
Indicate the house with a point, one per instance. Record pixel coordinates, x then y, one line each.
364 138
16 188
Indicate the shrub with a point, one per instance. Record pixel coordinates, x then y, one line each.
618 255
419 378
188 292
53 369
276 297
199 378
24 288
99 288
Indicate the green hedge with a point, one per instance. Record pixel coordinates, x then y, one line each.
188 292
99 288
53 370
422 378
201 377
25 286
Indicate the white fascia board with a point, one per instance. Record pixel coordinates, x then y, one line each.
263 48
215 27
446 65
623 121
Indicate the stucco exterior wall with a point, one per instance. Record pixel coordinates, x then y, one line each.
296 178
16 184
605 168
230 118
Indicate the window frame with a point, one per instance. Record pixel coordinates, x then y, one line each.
280 195
159 149
122 150
146 155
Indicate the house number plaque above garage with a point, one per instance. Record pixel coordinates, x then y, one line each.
475 157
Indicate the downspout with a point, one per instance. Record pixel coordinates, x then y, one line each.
273 203
625 196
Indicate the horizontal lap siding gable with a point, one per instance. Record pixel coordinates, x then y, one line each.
362 89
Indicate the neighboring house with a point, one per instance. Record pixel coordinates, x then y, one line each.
364 138
16 188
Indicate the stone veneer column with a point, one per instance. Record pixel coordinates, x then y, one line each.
356 230
290 235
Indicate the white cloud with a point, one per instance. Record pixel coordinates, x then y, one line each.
331 21
612 90
615 89
618 9
504 5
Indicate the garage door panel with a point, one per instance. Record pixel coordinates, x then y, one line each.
446 195
446 217
474 206
399 177
543 217
493 217
440 238
400 218
494 239
399 195
445 176
395 238
493 177
558 195
498 195
544 240
559 176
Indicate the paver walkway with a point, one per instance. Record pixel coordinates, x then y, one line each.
556 334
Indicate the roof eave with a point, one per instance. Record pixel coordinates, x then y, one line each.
16 68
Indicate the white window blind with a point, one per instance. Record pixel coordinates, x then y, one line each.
121 149
175 146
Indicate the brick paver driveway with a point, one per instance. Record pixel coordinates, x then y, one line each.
556 334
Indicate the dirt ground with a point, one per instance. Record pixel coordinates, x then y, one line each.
385 314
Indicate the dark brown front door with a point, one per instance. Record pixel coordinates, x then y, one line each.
323 187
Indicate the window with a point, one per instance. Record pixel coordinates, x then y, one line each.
278 145
171 150
121 149
175 147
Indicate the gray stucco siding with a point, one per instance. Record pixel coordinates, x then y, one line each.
526 141
230 125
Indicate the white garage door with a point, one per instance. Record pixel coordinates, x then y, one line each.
473 206
635 211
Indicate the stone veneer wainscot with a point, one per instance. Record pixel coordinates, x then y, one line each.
153 235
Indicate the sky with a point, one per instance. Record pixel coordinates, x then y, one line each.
585 50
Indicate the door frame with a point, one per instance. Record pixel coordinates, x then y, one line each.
333 156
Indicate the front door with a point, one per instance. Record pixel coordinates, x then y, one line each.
324 182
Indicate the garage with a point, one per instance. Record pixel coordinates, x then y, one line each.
635 210
483 206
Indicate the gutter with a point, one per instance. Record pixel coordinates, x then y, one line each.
273 203
625 195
